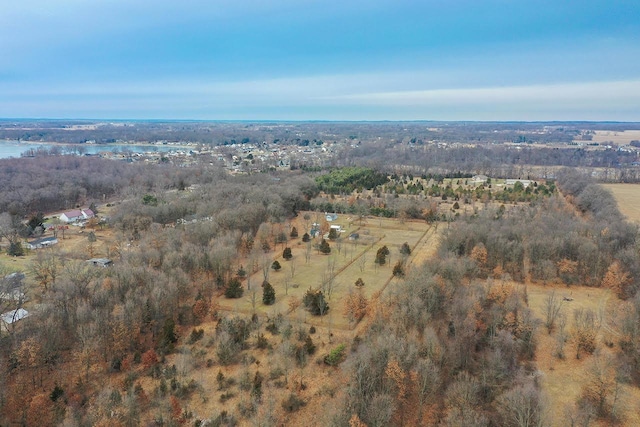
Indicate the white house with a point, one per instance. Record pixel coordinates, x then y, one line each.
77 215
525 182
479 179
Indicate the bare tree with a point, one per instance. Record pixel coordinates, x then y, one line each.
362 262
307 252
552 306
292 267
523 406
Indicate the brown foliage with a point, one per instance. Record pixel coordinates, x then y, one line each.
40 412
149 358
617 280
479 255
294 304
176 409
200 309
355 421
355 306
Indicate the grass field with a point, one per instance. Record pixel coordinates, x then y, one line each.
339 270
628 198
563 379
624 137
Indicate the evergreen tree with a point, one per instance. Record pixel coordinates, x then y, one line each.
268 293
314 302
333 234
286 254
405 249
398 269
234 289
381 255
324 247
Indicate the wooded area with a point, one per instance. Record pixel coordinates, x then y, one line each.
187 326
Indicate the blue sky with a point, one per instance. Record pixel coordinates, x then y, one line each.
321 60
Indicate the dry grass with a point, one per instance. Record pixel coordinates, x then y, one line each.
563 379
342 267
624 137
628 198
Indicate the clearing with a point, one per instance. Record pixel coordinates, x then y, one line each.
628 198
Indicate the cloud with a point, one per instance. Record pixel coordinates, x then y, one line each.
330 97
591 94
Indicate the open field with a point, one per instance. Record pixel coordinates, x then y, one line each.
337 272
628 198
563 379
624 137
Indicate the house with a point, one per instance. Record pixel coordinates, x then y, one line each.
100 262
479 179
77 215
330 217
71 216
42 243
11 288
13 316
336 227
525 182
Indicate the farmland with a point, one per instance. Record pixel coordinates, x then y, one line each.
628 198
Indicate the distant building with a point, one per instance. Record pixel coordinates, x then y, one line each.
100 262
479 179
42 243
12 317
11 288
77 215
525 182
331 216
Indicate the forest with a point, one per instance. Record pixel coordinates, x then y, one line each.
183 329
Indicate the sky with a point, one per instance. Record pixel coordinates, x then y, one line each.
529 60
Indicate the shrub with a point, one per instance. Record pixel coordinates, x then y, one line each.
196 335
292 403
405 249
398 269
335 356
314 302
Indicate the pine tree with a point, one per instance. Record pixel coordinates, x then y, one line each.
324 247
234 289
268 294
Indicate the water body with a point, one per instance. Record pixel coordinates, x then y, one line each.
16 148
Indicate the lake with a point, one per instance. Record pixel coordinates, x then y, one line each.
15 148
